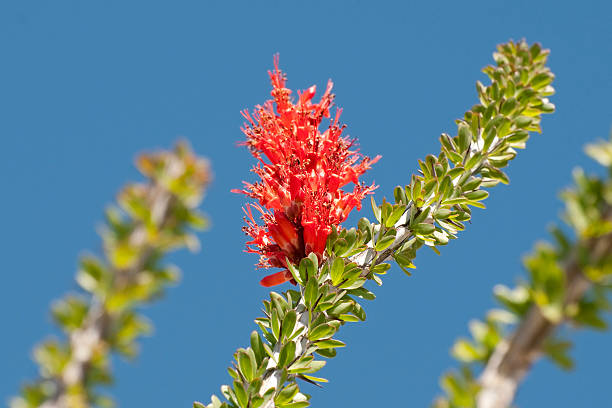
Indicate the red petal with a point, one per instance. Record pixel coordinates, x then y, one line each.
275 279
308 94
302 171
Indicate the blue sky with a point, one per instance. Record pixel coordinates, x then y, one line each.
85 85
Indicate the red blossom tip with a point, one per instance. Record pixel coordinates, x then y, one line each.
276 279
302 175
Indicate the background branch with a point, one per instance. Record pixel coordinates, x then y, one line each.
513 358
568 284
153 219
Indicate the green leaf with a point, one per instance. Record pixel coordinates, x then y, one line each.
351 271
471 184
477 195
386 240
448 143
257 346
508 106
423 228
295 272
233 373
247 365
557 351
380 268
286 394
385 209
301 363
323 306
362 293
52 356
353 283
375 209
275 323
311 292
93 276
498 175
523 121
331 240
316 379
348 318
423 213
330 343
548 107
341 307
400 195
477 204
288 324
364 225
280 303
472 161
442 213
425 169
445 188
287 354
241 394
415 189
404 260
327 353
429 187
395 215
307 266
322 331
465 137
455 157
70 312
541 80
489 136
359 312
337 270
465 351
315 366
315 262
454 201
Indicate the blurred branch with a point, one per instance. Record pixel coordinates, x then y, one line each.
568 283
512 359
154 218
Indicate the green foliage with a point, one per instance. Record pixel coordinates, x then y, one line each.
150 220
438 200
299 326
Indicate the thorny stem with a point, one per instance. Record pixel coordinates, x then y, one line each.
366 260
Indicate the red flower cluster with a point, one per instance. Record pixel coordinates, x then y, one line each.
301 180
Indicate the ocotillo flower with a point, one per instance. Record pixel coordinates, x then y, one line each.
302 173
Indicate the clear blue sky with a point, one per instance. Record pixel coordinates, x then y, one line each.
85 85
